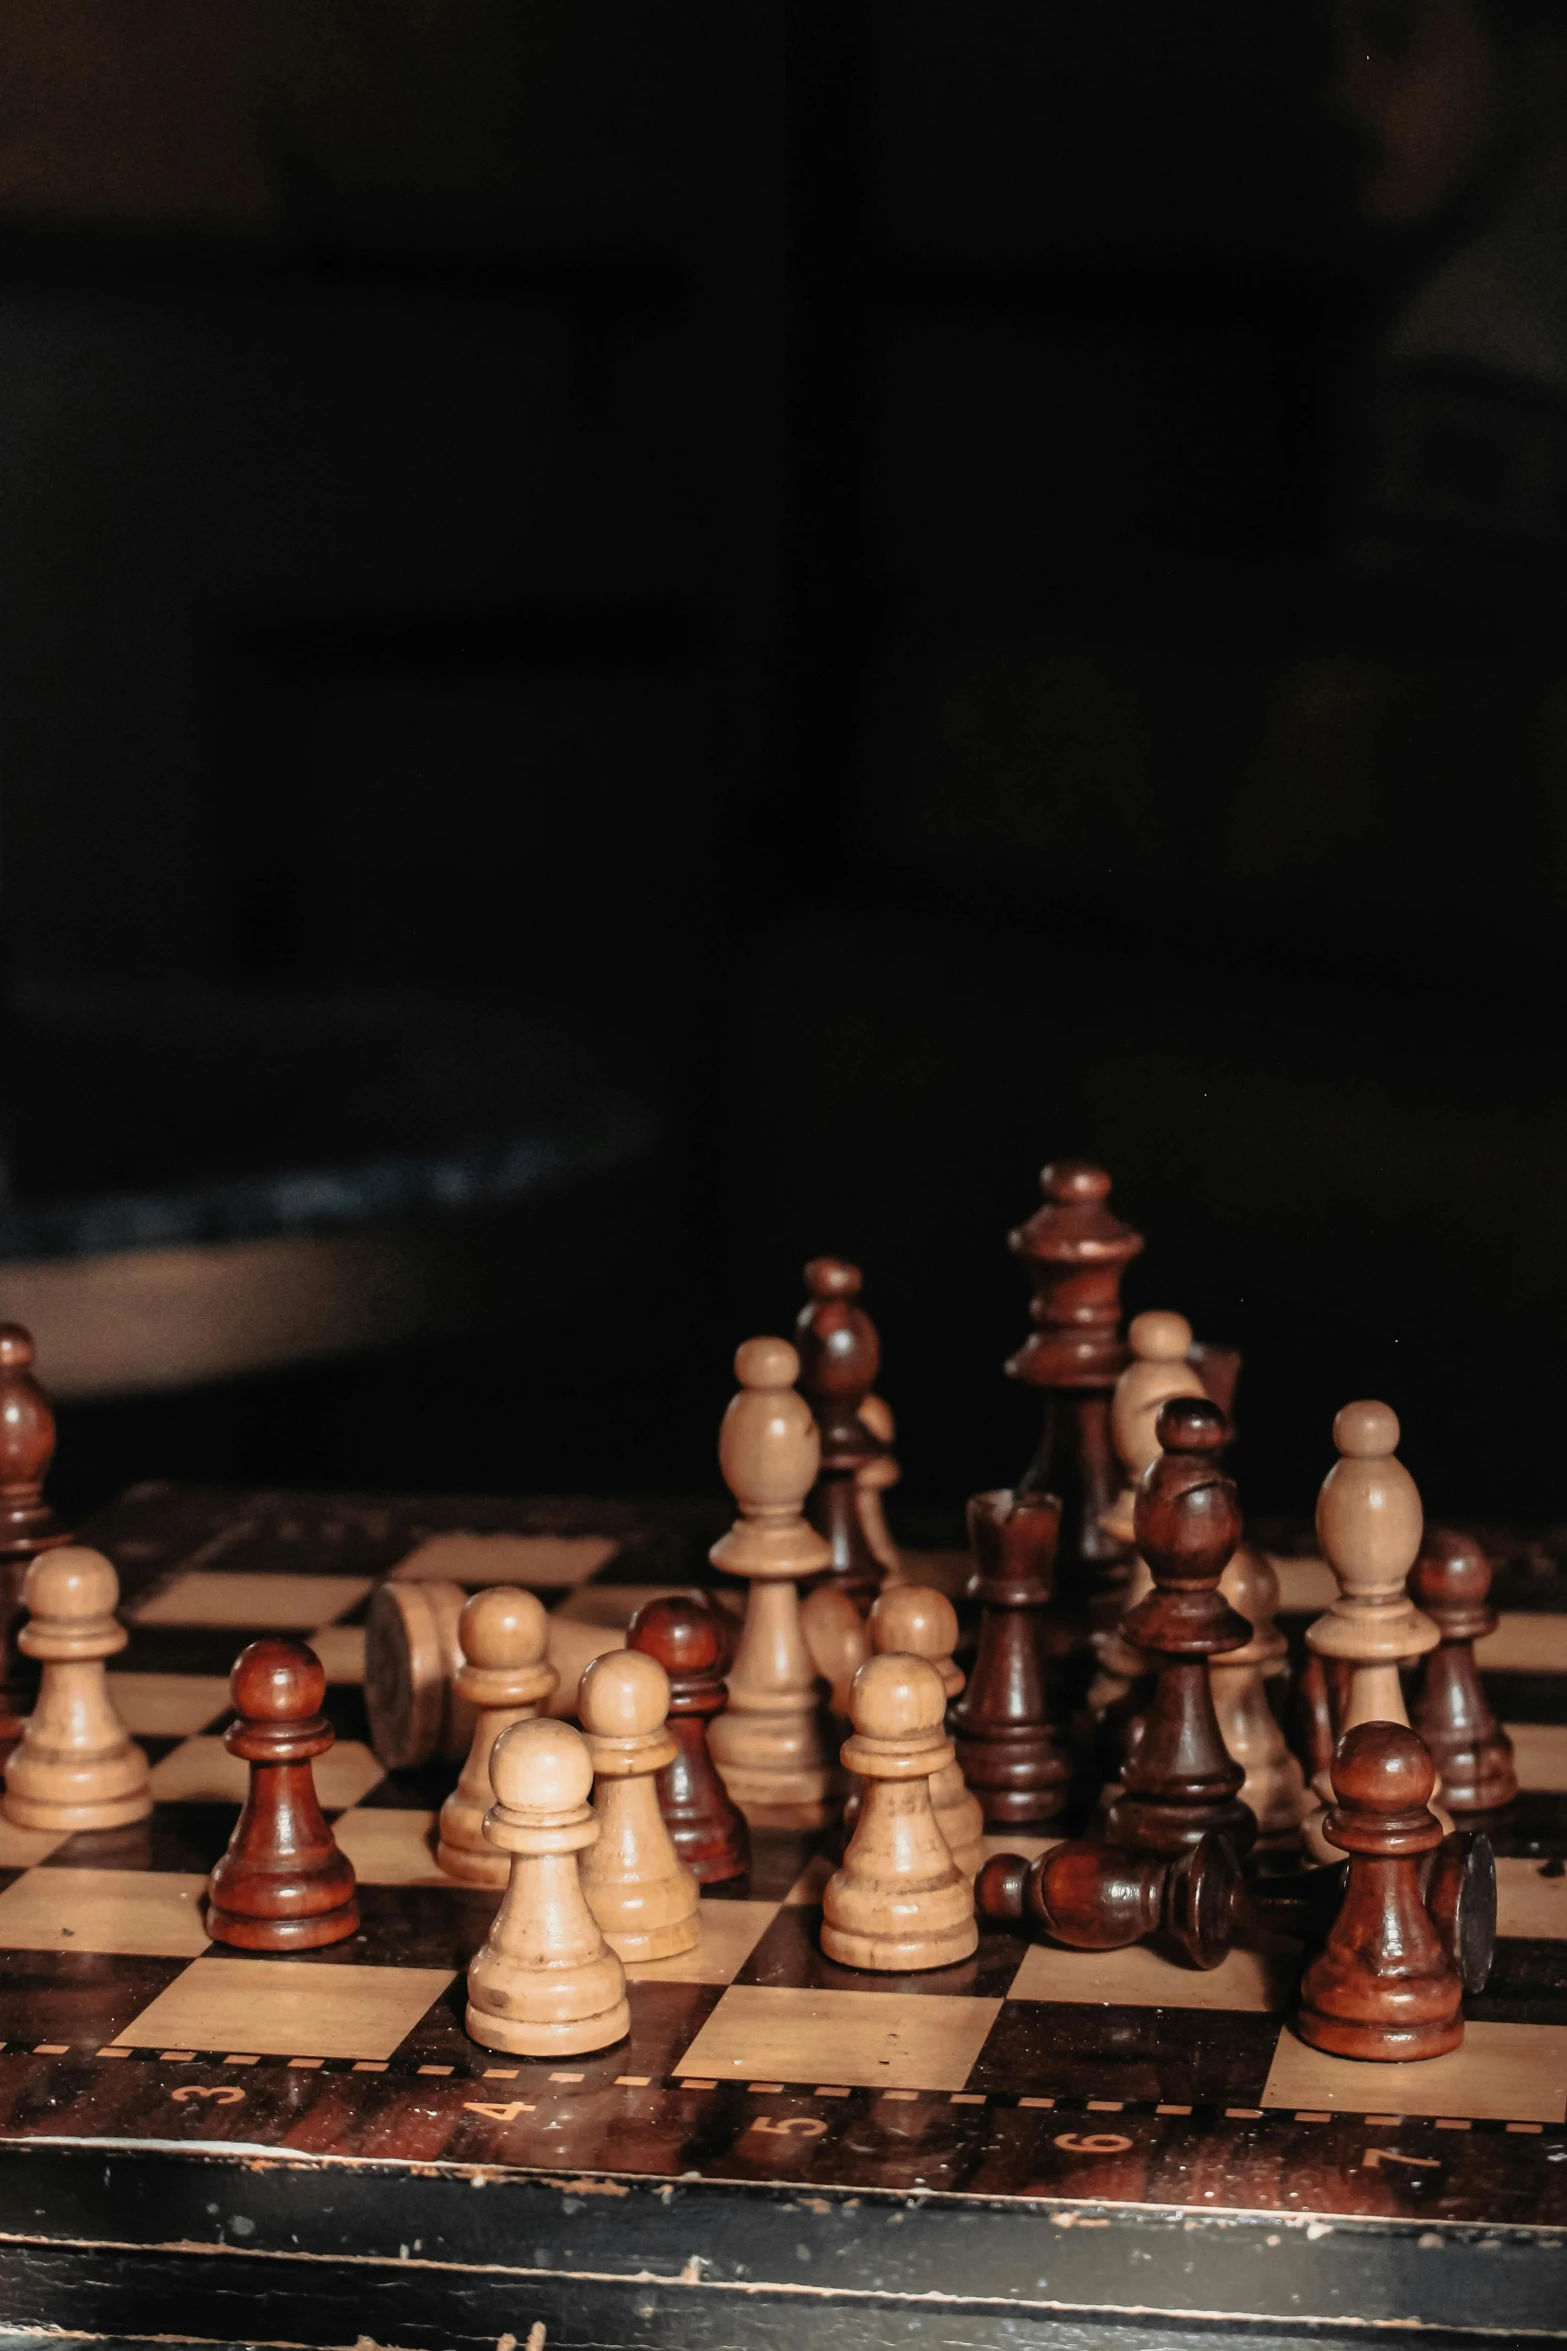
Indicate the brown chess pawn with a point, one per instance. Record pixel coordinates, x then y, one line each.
283 1885
27 1524
770 1743
1076 1250
913 1620
1384 1988
1179 1783
1093 1897
1451 1581
899 1902
75 1766
840 1355
502 1678
707 1829
1006 1742
545 1984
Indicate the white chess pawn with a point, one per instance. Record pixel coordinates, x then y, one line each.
770 1743
838 1642
914 1620
1275 1786
1157 1371
545 1983
646 1901
1369 1523
502 1638
871 1481
899 1902
75 1766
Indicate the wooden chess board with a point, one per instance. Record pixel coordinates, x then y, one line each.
1032 2132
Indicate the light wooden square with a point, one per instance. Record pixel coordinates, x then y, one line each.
135 1913
872 2040
537 1562
391 1848
341 1649
1526 1903
169 1705
255 1603
288 2008
1540 1754
1503 2073
730 1933
1306 1586
1525 1644
20 1848
611 1605
202 1771
1255 1981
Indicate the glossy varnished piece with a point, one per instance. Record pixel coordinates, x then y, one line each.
1095 1897
27 1523
1007 1744
1076 1250
708 1829
840 1356
1451 1582
282 1885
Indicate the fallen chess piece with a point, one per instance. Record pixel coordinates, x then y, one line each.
1096 1897
545 1984
75 1766
1383 1988
283 1884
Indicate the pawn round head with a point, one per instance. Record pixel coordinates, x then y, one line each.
895 1697
766 1363
1073 1183
1382 1767
501 1629
1159 1337
623 1695
1365 1431
541 1766
71 1582
16 1347
768 1447
1192 1424
914 1620
1452 1571
833 1277
277 1681
681 1632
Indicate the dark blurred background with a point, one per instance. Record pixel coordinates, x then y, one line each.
638 642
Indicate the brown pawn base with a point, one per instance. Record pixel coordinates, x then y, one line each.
283 1934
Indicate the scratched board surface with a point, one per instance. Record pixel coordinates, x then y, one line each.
1120 2080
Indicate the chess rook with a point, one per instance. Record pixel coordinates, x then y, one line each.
1368 1527
840 1355
1384 1988
545 1984
899 1903
27 1524
706 1827
1179 1783
770 1744
913 1620
1076 1251
502 1636
1006 1742
1094 1897
283 1884
75 1767
1451 1581
643 1896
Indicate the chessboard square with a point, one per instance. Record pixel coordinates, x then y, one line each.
1502 2073
538 1562
869 2040
168 1705
341 1649
1540 1755
730 1933
288 2008
391 1848
1255 1981
142 1913
251 1603
24 1848
202 1771
1524 1644
1528 1902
